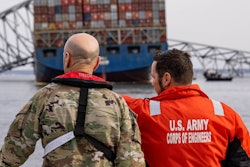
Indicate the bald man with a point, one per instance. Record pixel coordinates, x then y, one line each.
79 119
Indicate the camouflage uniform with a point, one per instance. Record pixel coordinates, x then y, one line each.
52 112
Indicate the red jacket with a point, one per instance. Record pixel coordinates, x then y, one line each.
183 127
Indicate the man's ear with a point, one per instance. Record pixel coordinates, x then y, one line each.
97 63
67 59
166 79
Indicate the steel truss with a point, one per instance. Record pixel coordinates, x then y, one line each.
230 61
16 38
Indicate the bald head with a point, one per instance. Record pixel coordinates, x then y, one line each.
83 51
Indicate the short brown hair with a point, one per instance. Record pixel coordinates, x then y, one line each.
175 62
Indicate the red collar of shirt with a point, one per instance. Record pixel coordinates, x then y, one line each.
81 75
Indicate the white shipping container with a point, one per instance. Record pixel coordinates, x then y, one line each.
72 17
58 17
114 23
65 24
51 3
93 24
58 2
65 17
128 1
122 23
113 8
37 2
44 3
72 9
100 23
79 24
155 15
44 25
142 15
128 15
106 2
37 26
114 16
107 16
93 2
156 22
121 1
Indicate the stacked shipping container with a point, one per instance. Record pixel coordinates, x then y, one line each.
111 21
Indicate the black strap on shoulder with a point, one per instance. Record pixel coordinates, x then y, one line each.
80 120
79 128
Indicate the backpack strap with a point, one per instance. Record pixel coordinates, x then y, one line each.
80 120
79 131
79 128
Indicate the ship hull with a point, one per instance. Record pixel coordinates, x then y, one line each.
124 63
45 74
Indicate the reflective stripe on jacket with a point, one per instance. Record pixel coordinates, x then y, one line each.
183 127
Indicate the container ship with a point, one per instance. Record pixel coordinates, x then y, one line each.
128 31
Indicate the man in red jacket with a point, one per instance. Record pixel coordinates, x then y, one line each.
182 126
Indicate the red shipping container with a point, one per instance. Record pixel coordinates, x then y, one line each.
65 9
37 10
44 18
58 25
128 7
51 10
78 2
71 2
122 15
149 22
149 14
163 22
129 23
78 16
135 15
93 8
85 1
87 24
65 2
135 6
106 8
142 22
162 14
100 16
93 16
78 9
72 25
121 7
38 18
148 6
107 23
163 38
51 18
86 8
99 8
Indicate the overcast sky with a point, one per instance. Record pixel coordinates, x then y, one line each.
224 23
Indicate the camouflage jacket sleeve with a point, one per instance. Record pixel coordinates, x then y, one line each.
23 134
129 149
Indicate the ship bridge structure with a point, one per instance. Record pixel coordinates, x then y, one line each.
17 45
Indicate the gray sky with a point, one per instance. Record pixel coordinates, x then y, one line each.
224 23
